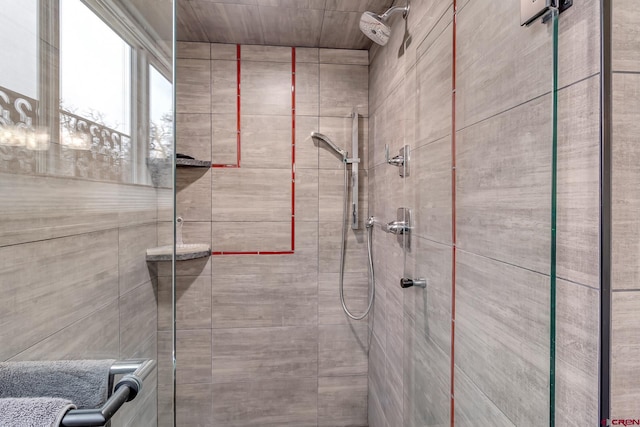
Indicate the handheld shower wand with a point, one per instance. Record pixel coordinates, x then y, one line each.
317 136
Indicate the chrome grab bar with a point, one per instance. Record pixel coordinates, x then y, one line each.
125 390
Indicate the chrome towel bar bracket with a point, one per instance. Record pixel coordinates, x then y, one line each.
125 390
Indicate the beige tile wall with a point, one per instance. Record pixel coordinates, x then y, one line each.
625 339
503 167
262 340
74 277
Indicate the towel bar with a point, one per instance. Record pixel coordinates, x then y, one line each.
125 390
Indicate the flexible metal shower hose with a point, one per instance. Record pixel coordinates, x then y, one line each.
342 251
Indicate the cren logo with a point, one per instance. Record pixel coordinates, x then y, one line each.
620 422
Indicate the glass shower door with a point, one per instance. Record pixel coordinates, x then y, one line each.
81 85
480 184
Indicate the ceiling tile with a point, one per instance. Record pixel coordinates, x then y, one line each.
188 26
291 27
341 30
249 2
304 23
377 6
229 23
296 4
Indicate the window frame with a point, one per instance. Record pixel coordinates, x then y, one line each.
146 51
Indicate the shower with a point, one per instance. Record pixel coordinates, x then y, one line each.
375 27
323 138
318 137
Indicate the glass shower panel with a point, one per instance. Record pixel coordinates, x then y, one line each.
81 198
480 122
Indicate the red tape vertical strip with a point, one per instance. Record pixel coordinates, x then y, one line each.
293 148
453 212
238 141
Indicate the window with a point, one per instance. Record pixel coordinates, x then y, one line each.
95 95
95 68
19 82
160 115
19 41
89 95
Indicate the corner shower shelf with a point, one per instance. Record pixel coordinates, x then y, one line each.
192 163
184 252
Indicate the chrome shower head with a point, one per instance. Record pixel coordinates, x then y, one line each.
375 27
318 137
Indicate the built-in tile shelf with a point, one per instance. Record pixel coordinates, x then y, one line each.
192 163
184 252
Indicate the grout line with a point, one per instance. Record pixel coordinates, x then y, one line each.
582 285
228 253
238 103
502 262
293 149
554 216
498 113
119 299
89 315
535 98
625 72
318 245
487 397
260 10
66 236
324 14
573 282
453 211
435 38
248 222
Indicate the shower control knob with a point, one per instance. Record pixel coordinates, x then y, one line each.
407 283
